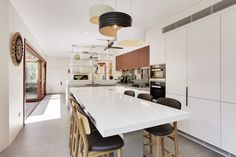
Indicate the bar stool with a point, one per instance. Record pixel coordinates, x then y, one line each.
147 135
75 106
145 96
91 143
130 93
166 130
72 119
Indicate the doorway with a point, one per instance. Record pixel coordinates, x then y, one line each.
34 79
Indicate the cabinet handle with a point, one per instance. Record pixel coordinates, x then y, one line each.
156 86
186 95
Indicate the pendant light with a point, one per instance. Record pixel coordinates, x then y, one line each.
96 10
111 22
131 36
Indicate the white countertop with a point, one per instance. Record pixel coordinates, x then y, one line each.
115 113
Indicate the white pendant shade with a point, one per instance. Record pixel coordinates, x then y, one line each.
96 10
131 36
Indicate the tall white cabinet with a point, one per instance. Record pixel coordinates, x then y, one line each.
193 60
176 61
204 79
204 58
176 69
228 33
228 82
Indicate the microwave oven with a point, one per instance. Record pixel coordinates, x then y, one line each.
158 71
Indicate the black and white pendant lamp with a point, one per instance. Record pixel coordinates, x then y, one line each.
111 22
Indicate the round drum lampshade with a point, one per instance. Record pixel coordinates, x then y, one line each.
131 36
96 10
111 22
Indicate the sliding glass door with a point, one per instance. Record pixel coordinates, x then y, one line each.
32 81
35 79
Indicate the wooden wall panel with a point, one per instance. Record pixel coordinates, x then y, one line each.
133 60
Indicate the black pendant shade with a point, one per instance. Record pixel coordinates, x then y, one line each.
111 22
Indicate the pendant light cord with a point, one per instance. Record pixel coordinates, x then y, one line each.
115 5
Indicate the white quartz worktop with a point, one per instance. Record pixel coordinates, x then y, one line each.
147 89
114 113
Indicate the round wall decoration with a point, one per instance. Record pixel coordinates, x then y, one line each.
17 50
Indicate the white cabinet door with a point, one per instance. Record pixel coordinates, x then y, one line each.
204 122
157 51
228 74
204 58
176 61
182 125
228 127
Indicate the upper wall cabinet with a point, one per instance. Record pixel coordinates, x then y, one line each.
176 61
157 50
132 60
228 75
204 58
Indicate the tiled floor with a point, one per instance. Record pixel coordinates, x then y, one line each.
47 129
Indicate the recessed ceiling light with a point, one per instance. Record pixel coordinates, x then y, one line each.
86 32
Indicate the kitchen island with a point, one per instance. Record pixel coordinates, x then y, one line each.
114 113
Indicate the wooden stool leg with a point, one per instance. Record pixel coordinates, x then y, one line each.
106 155
80 146
158 147
150 141
163 146
85 153
71 132
119 151
176 143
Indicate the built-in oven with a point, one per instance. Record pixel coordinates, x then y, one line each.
158 71
157 89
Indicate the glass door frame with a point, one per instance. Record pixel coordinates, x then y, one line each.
41 81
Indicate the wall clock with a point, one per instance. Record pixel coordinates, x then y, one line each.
17 50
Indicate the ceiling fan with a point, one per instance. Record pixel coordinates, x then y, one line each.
110 46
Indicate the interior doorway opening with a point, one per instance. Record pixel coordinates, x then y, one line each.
34 79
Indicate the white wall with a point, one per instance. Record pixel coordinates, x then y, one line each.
57 71
4 55
11 82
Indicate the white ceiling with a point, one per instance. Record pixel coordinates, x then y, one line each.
57 24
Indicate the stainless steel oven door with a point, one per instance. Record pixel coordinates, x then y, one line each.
158 73
157 90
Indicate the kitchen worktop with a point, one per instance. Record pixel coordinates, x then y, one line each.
114 113
147 89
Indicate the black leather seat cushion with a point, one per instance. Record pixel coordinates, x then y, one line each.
98 143
161 130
